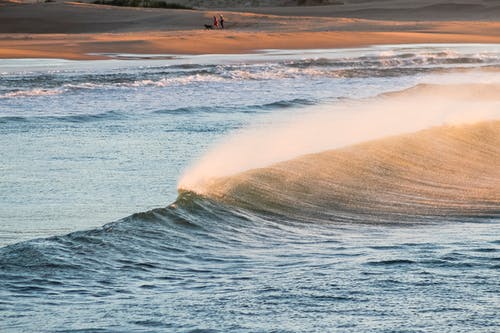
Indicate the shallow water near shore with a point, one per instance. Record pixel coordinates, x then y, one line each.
367 234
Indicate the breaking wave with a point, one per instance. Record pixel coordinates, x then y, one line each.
379 64
449 172
31 93
406 59
360 163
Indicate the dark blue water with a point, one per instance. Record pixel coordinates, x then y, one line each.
83 144
201 267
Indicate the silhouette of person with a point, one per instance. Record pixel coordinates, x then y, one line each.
221 20
216 23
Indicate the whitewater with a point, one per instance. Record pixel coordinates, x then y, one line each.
349 190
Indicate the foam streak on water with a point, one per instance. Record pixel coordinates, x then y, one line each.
347 190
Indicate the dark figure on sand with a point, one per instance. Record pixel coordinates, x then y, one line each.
217 23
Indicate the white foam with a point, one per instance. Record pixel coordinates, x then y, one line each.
32 93
183 80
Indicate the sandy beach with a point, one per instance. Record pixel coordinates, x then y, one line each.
75 30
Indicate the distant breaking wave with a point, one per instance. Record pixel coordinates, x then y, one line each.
382 64
408 59
30 93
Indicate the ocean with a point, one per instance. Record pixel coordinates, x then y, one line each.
346 190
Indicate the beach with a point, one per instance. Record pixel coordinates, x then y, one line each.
306 169
74 30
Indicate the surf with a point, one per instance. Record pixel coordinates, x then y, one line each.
449 171
425 153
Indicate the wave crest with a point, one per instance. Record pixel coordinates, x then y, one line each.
449 171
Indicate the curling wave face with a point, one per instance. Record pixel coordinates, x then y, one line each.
448 171
376 172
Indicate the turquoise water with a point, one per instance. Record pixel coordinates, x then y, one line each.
92 153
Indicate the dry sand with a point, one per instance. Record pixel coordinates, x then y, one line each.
79 30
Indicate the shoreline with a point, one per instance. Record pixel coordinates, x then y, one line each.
79 31
96 46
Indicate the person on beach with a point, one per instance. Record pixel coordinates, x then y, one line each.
221 21
216 23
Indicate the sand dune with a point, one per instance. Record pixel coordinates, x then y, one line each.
435 10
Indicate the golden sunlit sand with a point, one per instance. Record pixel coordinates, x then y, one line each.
74 30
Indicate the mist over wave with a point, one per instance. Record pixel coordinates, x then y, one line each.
448 172
333 126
